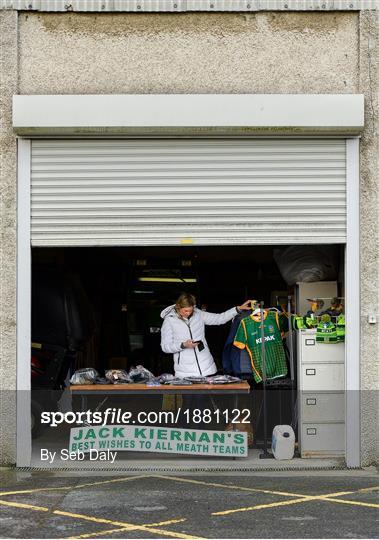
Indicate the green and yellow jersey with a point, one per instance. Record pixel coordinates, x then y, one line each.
249 336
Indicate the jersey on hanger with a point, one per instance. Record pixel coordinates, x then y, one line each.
249 336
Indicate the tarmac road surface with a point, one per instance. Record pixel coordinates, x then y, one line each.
319 504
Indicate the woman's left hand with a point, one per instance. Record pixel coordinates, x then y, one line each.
248 304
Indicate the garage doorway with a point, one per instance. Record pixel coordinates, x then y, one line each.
352 280
119 325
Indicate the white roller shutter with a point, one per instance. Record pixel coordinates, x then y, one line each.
184 191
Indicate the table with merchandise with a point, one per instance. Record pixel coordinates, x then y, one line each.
139 381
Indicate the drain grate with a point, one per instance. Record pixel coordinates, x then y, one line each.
189 469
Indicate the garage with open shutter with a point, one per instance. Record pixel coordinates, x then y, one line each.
207 195
193 214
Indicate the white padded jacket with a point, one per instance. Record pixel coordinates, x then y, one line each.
175 330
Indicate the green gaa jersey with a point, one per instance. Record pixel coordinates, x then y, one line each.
249 336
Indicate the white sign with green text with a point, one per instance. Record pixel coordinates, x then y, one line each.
157 439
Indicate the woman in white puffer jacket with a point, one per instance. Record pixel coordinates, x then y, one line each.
183 335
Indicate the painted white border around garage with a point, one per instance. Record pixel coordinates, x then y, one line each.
180 6
24 443
188 114
352 307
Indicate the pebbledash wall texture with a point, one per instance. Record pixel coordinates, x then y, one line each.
263 52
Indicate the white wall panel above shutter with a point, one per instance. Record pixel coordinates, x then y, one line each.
182 191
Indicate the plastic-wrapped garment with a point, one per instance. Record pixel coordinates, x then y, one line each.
84 376
197 380
140 374
223 379
117 376
101 380
179 382
165 377
307 263
153 382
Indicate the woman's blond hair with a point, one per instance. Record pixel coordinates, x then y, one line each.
185 300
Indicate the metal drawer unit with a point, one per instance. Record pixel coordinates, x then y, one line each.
322 377
321 396
323 406
316 352
322 440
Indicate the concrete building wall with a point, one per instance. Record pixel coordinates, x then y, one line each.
369 231
8 229
191 53
265 52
